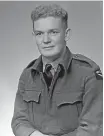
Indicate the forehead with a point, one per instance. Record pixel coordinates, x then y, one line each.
44 24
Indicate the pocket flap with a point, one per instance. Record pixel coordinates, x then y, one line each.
71 98
31 96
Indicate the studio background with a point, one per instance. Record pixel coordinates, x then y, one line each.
18 48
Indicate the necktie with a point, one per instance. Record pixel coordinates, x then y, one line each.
47 74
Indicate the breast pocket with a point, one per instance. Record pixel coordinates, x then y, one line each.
31 96
69 106
68 98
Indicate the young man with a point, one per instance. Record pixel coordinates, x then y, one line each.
60 93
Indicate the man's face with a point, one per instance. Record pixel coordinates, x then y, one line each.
50 36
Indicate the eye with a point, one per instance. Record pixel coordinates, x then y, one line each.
54 32
38 33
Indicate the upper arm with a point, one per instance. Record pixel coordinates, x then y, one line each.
91 115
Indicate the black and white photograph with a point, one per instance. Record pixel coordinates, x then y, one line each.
51 68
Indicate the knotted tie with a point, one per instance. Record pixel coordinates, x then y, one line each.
47 74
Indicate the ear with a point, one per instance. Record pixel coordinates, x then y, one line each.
33 35
68 33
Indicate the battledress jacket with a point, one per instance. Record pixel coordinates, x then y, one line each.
71 106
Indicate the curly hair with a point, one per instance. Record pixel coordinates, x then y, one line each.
53 10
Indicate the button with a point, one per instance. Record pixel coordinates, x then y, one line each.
76 55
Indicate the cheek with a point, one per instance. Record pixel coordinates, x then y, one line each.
59 40
38 41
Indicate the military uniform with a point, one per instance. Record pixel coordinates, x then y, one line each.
71 106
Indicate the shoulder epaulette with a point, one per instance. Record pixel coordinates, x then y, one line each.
90 63
87 61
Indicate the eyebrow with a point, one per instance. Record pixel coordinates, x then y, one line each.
39 31
55 29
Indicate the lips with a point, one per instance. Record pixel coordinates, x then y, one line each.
48 47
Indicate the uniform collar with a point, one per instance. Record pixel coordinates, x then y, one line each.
38 65
65 62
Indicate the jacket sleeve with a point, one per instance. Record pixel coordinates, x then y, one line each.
20 122
90 121
91 118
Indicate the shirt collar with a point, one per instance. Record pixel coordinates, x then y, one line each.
64 61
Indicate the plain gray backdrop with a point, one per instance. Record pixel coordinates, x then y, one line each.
18 48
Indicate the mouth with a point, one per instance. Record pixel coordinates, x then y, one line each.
48 47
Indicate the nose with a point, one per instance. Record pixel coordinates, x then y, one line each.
46 38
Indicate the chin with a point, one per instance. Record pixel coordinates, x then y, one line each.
51 55
48 55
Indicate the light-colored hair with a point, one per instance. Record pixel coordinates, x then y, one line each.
53 10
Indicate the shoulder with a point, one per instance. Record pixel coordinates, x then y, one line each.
26 71
87 64
85 61
31 64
